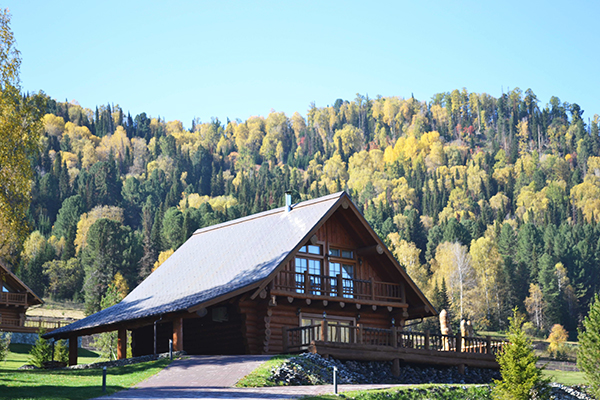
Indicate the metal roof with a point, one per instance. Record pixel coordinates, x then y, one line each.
215 261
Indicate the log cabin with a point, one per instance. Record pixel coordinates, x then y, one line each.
15 298
282 280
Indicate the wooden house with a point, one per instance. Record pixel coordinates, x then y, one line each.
15 298
287 279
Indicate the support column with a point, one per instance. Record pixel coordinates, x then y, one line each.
73 350
122 344
178 334
396 367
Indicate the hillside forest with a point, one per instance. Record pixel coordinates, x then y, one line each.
489 203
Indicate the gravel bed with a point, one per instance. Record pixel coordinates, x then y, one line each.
312 369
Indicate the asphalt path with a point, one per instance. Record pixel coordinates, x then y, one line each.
213 377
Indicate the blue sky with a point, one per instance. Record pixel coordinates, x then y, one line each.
233 59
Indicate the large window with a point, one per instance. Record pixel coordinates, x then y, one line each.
309 258
339 328
341 262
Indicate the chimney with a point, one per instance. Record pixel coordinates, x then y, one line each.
288 200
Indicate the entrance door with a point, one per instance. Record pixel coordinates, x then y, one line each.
338 328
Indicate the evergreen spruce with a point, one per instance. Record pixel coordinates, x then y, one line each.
521 379
588 353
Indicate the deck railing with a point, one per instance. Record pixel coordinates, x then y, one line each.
34 323
13 299
295 339
337 286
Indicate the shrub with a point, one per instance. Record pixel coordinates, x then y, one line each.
4 343
61 351
588 354
40 352
521 379
557 338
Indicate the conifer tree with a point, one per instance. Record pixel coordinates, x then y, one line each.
521 379
588 353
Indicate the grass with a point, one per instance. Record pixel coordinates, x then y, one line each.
57 309
19 354
73 384
414 392
259 377
568 378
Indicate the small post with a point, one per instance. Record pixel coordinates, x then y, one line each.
360 334
53 341
340 285
488 344
284 335
458 342
372 288
103 379
427 339
335 388
324 330
171 349
306 282
394 337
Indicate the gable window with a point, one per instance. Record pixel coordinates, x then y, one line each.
309 258
341 262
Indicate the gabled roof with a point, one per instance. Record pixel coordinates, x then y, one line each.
219 261
17 285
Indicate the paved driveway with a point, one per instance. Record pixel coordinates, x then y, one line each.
213 377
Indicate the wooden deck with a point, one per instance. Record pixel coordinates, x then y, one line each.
372 344
336 288
33 324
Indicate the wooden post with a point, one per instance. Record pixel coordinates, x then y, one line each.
121 344
324 328
394 338
372 288
284 335
306 282
178 334
360 334
458 342
340 285
396 367
488 344
72 350
427 339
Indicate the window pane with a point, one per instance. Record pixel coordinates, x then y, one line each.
314 249
300 264
347 254
334 269
334 252
347 271
302 249
314 267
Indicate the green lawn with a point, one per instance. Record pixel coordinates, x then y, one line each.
416 392
259 377
19 354
568 378
73 384
67 384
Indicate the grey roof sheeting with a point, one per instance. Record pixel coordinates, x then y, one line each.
215 261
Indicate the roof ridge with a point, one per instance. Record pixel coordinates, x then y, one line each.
268 212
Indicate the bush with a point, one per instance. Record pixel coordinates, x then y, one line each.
557 338
521 379
4 342
61 351
588 354
40 352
